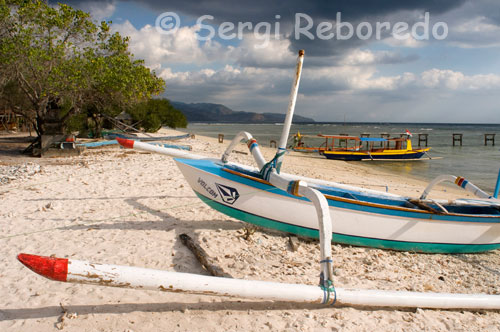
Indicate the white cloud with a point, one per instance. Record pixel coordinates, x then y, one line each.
99 10
363 57
250 52
409 42
181 47
359 57
244 85
473 24
259 79
475 32
452 80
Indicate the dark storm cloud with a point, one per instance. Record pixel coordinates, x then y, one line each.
264 10
319 11
327 61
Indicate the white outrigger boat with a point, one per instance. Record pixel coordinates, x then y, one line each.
344 214
266 197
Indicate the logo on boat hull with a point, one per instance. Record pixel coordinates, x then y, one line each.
207 188
229 195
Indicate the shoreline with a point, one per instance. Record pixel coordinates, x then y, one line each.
474 161
116 206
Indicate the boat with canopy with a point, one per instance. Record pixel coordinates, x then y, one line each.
353 148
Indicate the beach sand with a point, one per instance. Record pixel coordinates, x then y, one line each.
124 207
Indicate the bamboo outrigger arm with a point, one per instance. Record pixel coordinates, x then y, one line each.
75 271
459 181
296 188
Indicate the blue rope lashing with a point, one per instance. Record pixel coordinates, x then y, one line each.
327 286
277 165
265 172
327 290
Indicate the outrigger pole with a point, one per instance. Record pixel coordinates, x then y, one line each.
289 114
75 271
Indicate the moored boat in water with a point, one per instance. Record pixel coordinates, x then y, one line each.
353 148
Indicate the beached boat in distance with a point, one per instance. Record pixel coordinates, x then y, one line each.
299 144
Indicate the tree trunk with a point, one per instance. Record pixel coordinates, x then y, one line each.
39 127
98 125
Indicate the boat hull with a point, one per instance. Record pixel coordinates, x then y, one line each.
252 200
307 150
357 156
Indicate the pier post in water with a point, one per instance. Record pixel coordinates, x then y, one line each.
489 138
457 138
422 138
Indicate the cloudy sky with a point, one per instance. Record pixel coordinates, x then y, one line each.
399 65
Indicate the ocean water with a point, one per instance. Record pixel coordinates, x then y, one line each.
478 163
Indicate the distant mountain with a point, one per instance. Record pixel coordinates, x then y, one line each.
206 112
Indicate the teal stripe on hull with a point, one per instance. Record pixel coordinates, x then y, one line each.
442 248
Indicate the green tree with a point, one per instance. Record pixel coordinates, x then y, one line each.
61 62
155 113
117 81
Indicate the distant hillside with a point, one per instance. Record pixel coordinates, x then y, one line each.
206 112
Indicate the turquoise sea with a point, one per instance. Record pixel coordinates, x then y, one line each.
478 163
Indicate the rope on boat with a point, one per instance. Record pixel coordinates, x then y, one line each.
327 291
267 169
327 284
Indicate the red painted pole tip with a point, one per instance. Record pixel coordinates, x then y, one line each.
51 268
126 143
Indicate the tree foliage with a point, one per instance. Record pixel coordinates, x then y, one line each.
54 62
155 113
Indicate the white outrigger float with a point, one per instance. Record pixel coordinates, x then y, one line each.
344 214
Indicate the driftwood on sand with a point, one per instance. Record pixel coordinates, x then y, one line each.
203 257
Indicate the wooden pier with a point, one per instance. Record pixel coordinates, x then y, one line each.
457 138
423 138
489 138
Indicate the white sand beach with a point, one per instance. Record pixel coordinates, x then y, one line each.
124 207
